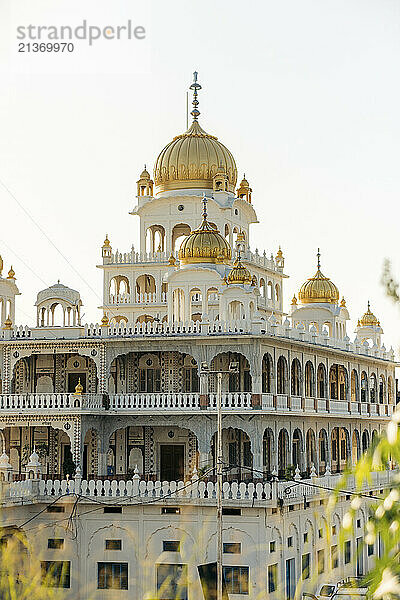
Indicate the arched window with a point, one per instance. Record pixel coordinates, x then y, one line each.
297 449
270 291
277 293
281 375
354 386
262 287
178 300
296 378
381 389
364 387
309 380
355 447
333 382
191 381
283 448
372 388
321 381
267 369
311 449
268 449
145 284
179 232
390 390
365 440
149 374
323 450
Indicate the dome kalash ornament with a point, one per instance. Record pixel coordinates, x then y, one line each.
239 274
368 319
319 288
205 245
194 158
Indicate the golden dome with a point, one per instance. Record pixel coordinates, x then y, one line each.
104 320
11 274
319 289
193 158
145 174
368 319
244 190
107 243
204 245
78 388
7 323
239 273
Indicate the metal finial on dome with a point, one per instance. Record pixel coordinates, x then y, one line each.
318 259
369 305
195 87
204 201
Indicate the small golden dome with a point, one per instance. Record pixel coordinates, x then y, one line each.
193 158
7 323
104 320
343 302
294 300
319 289
106 243
368 319
204 245
239 273
78 388
145 174
11 274
172 260
279 254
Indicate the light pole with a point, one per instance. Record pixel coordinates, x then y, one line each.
233 368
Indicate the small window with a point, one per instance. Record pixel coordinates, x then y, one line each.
272 578
237 580
113 544
55 543
232 548
320 533
56 573
358 523
347 552
370 549
272 546
305 566
232 512
347 496
333 529
291 507
321 561
305 537
171 546
170 510
290 542
113 509
56 508
112 576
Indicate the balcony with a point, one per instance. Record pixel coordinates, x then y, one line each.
141 402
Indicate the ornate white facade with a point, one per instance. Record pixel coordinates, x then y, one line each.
122 403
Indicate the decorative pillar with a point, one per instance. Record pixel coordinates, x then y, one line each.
204 396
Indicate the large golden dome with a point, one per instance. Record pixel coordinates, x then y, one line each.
204 245
191 160
319 289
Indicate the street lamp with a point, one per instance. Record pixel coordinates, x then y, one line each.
205 370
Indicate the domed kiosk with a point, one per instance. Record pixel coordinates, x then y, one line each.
50 299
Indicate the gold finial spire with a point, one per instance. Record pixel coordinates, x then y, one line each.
318 260
78 388
106 243
204 201
195 87
11 273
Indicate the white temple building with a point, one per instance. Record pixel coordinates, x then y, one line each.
122 408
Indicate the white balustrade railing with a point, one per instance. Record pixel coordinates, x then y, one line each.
136 298
136 490
259 326
151 401
295 403
195 489
134 257
56 402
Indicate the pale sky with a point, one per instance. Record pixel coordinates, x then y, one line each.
305 94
